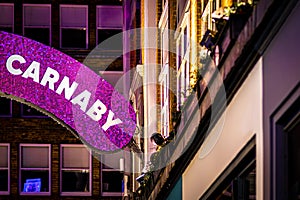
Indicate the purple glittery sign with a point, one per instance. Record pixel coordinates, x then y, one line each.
66 89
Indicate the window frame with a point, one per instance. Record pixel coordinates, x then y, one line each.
89 193
105 28
6 168
115 54
165 97
239 166
284 118
86 25
34 169
164 77
183 65
32 26
109 169
13 16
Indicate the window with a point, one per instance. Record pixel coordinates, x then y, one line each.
74 26
108 28
164 80
238 180
28 111
241 187
165 72
164 3
111 175
285 135
37 22
182 62
5 107
76 170
181 5
35 170
4 169
7 17
293 164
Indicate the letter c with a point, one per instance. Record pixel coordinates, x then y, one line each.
9 62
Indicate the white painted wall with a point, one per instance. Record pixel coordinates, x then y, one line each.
243 119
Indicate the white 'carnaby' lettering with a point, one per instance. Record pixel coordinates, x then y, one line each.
82 100
51 76
65 85
33 71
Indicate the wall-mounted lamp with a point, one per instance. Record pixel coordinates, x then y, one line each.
208 40
140 178
157 138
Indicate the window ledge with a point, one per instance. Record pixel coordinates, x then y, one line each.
76 194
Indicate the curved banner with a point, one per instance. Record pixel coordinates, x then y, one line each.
67 90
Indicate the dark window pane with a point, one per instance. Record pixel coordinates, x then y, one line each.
28 111
116 65
242 187
112 181
185 41
181 4
75 181
43 175
115 43
38 34
6 29
73 38
3 180
179 56
294 162
5 107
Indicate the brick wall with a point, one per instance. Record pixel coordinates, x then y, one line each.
17 130
173 75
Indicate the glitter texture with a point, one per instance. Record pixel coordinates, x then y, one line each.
116 137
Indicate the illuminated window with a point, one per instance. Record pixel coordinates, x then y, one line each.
111 179
74 26
5 107
37 22
4 169
35 169
7 17
75 170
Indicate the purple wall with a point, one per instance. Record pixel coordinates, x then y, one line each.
281 74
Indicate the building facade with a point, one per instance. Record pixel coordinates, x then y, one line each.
227 99
41 159
215 88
